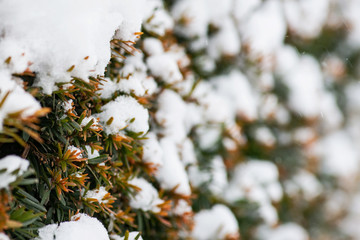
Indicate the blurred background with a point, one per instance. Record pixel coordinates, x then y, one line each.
299 108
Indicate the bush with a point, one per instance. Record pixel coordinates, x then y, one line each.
178 119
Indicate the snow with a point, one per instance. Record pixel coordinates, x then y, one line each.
17 100
81 226
47 232
282 115
266 81
187 152
205 63
208 136
75 151
160 20
305 83
215 223
350 13
132 236
265 29
256 180
165 67
126 113
197 176
265 137
132 14
94 126
226 42
194 16
350 224
8 165
306 18
253 174
97 195
308 97
132 79
229 144
194 116
218 11
68 105
304 135
133 64
91 153
215 108
219 176
286 59
283 232
3 236
268 106
235 87
172 173
153 46
137 83
107 89
243 8
171 115
335 204
352 92
338 155
70 25
182 207
214 176
147 199
152 151
306 183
